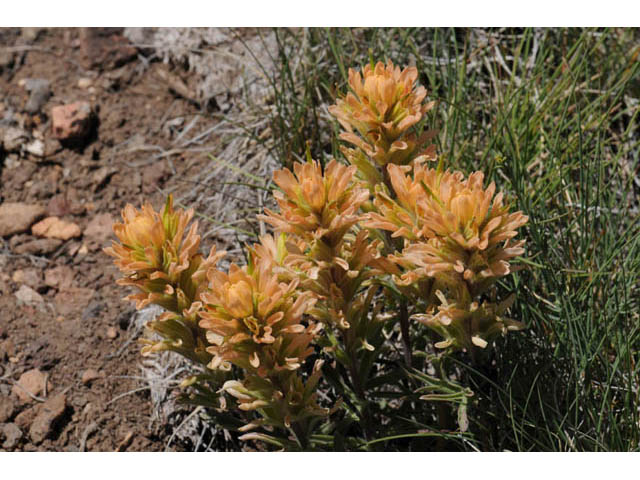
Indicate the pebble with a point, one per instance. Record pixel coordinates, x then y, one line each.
40 246
40 92
48 413
60 277
25 417
18 217
28 296
14 138
72 121
85 82
12 435
33 382
35 148
54 227
112 333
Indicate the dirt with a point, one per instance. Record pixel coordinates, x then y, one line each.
72 324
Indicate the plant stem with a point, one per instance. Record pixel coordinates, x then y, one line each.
404 329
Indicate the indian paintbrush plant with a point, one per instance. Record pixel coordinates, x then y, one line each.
299 347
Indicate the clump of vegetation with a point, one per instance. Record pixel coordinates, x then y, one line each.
357 251
549 116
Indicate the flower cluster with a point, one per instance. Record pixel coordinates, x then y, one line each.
254 321
348 239
316 205
458 235
319 211
161 259
378 113
245 317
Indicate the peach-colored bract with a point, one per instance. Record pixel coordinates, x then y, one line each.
378 113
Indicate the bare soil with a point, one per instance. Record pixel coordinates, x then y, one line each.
83 323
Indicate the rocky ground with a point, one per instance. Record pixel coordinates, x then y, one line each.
87 124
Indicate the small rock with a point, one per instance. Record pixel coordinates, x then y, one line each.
41 246
25 417
40 91
73 300
18 217
31 381
53 227
14 138
48 414
99 229
12 435
112 333
85 82
29 276
35 148
60 277
7 408
90 375
28 296
72 121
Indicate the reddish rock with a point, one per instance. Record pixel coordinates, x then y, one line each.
53 227
72 121
48 414
18 217
105 48
32 382
112 333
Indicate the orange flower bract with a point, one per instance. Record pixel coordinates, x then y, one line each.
159 256
384 103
